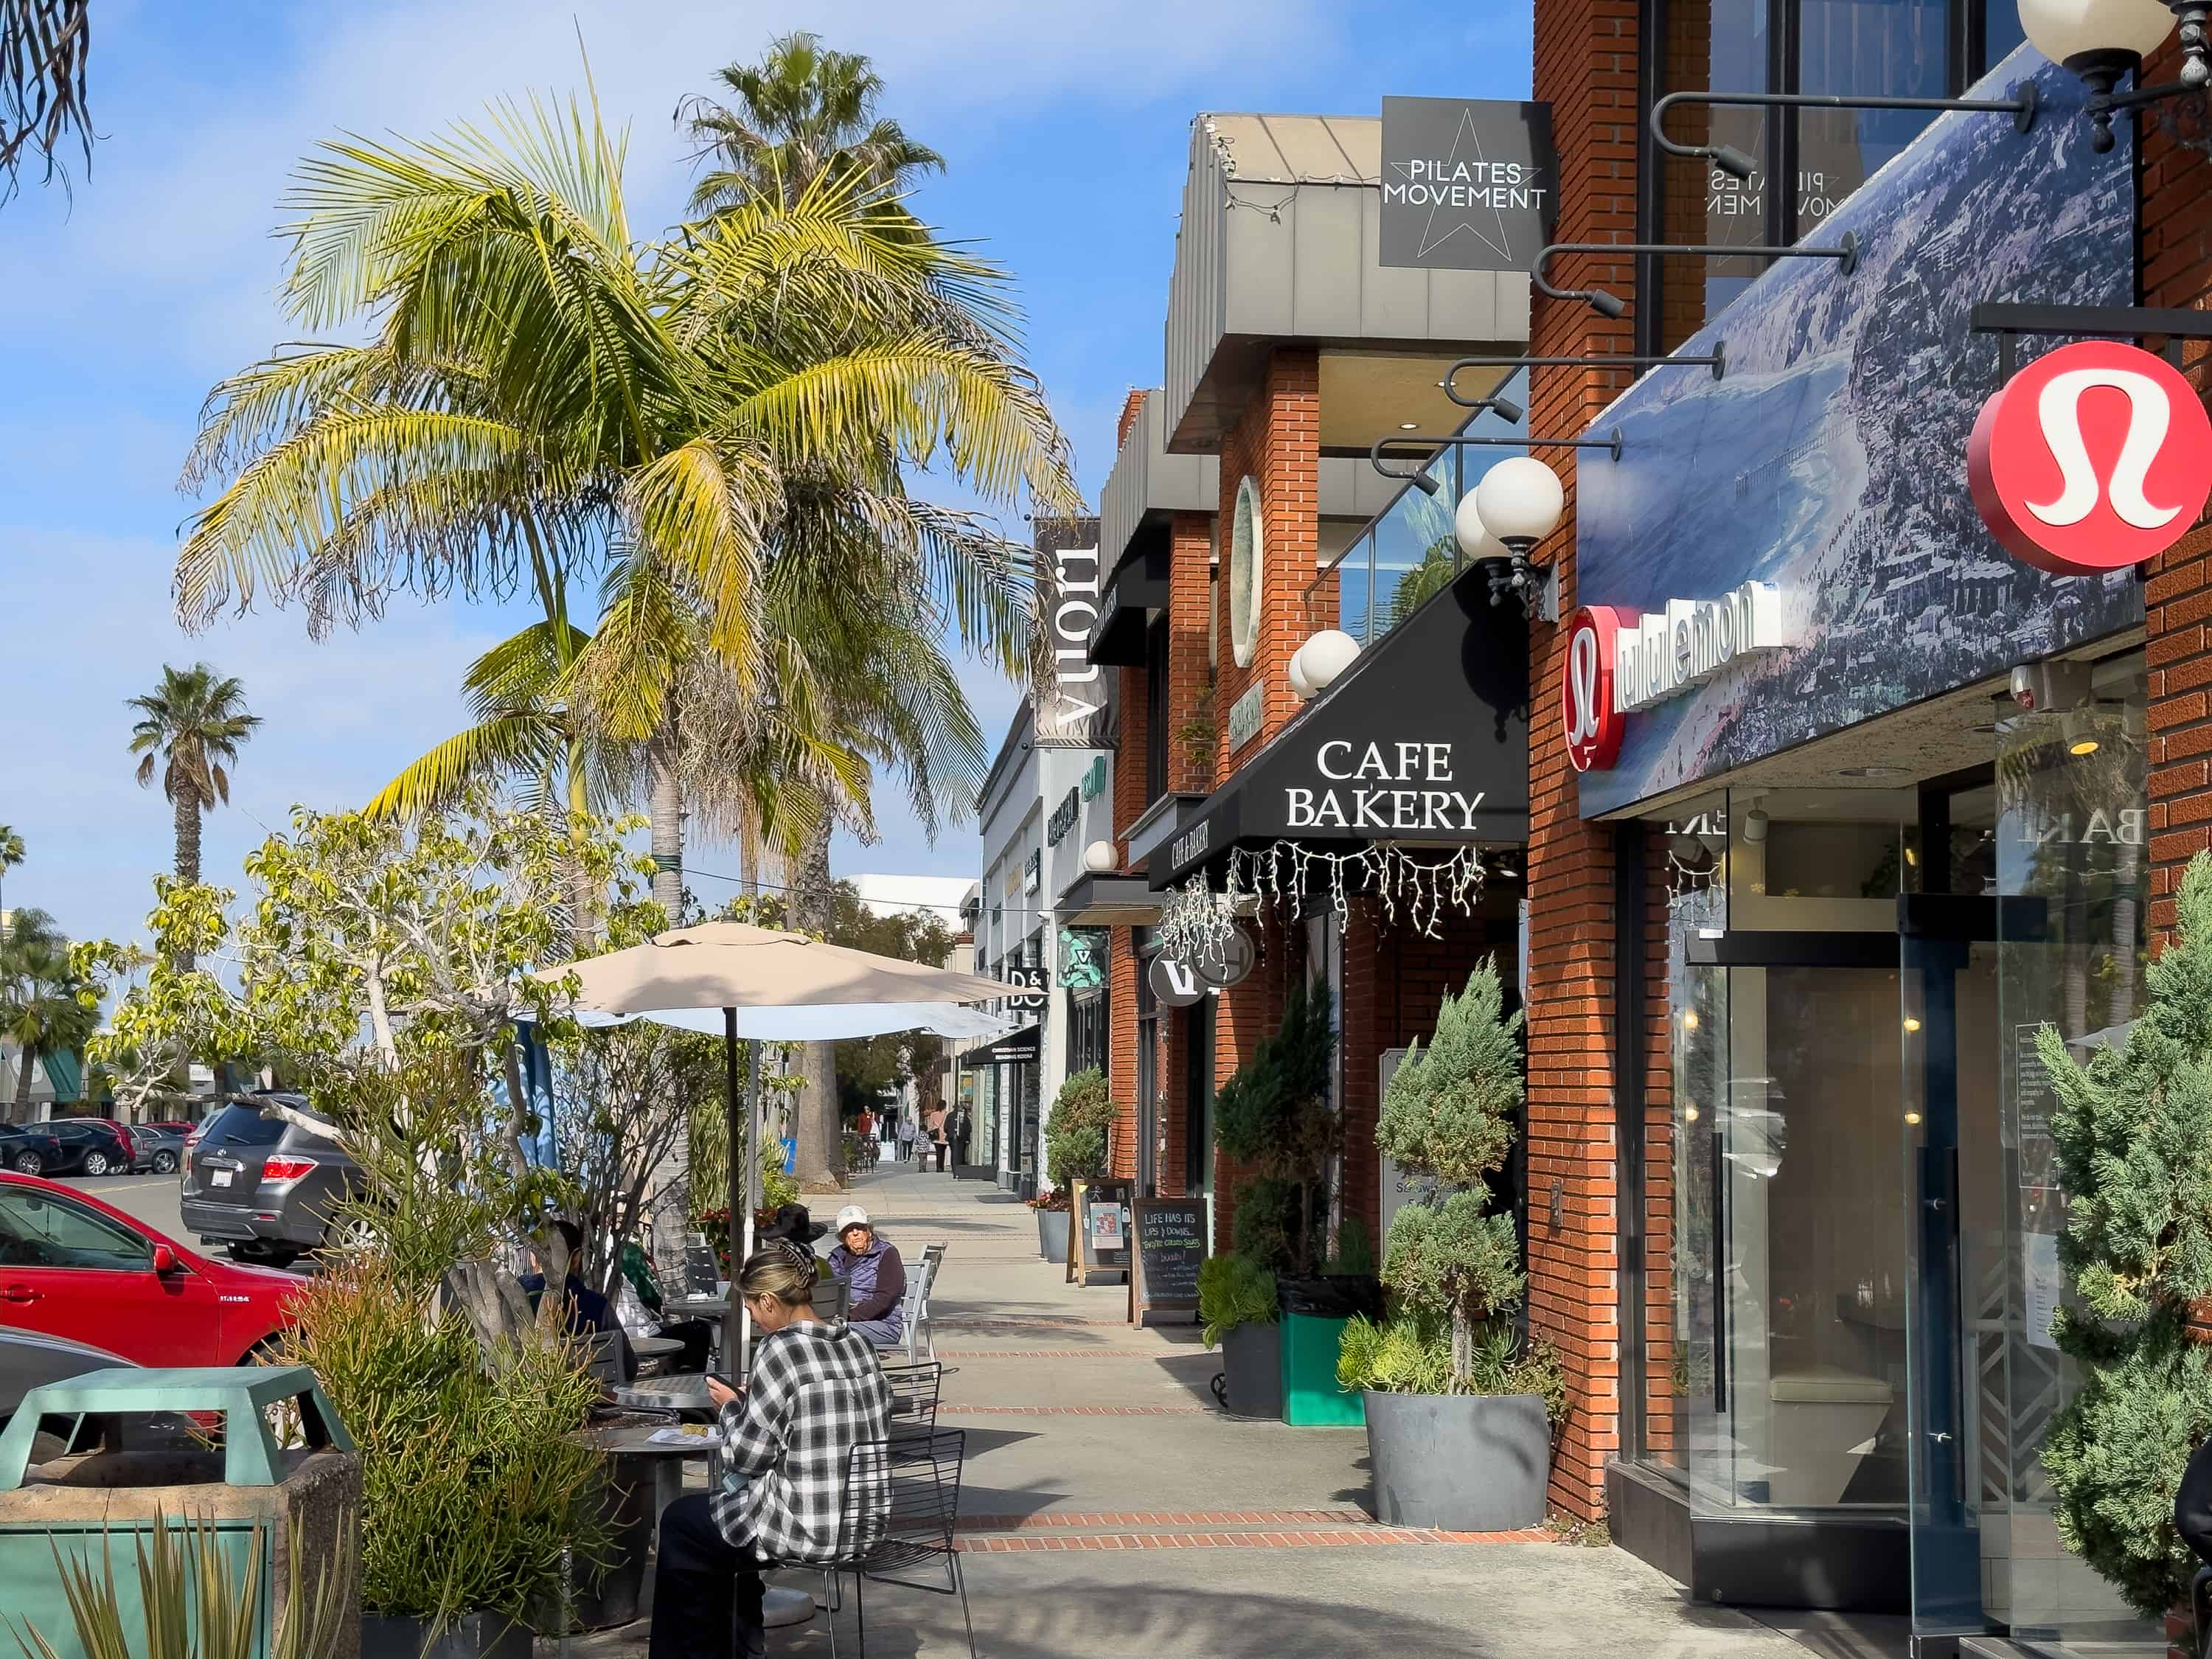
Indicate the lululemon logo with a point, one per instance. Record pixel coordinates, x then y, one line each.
1588 711
2092 459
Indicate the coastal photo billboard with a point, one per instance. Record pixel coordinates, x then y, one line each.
1831 461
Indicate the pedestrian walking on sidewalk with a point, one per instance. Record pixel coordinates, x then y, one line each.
933 1122
906 1139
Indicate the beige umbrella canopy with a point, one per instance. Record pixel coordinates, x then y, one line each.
780 987
728 965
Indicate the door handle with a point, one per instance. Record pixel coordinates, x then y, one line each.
18 1293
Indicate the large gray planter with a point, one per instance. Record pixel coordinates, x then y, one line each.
1459 1462
1252 1367
1052 1235
472 1636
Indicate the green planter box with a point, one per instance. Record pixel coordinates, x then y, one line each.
1311 1397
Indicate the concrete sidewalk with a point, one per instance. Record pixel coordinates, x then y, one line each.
1107 1506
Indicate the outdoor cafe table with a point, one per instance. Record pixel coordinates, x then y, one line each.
779 1606
665 1394
654 1347
697 1307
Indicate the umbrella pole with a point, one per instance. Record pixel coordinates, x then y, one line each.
732 1323
752 1182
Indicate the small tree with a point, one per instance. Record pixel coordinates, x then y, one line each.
1275 1113
2133 1134
1446 1118
1077 1135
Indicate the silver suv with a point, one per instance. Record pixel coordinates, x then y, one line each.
263 1187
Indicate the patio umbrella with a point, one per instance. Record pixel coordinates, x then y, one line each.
784 987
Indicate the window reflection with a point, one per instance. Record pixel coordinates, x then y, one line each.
1887 48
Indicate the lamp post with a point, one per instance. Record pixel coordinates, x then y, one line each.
2101 40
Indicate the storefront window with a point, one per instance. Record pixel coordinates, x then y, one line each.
2072 859
1889 48
1712 45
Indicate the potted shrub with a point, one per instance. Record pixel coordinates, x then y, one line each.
1275 1114
1458 1407
1236 1306
1077 1142
440 1425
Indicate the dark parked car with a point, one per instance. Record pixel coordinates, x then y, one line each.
95 1145
29 1359
265 1187
160 1147
27 1149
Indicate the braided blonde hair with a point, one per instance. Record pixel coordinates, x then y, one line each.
780 1269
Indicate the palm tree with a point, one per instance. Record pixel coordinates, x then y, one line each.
541 386
39 1010
43 47
11 854
804 117
191 725
799 113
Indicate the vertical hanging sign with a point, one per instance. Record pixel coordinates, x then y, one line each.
1073 710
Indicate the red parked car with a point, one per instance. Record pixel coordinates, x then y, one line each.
72 1266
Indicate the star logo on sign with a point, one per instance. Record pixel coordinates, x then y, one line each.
1430 240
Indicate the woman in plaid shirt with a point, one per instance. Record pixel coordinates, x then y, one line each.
776 1490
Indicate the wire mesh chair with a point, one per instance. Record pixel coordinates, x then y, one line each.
913 1397
902 1502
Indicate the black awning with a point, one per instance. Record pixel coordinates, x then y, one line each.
1015 1048
1424 740
1138 582
1108 900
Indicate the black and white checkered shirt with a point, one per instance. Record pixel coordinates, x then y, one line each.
816 1392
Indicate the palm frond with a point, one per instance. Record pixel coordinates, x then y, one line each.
524 744
44 48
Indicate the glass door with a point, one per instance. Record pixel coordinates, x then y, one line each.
1792 1241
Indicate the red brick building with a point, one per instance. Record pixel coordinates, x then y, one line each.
1789 867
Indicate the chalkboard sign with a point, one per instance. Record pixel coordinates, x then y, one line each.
1098 1232
1170 1235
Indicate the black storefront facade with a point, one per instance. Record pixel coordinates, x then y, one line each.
1374 845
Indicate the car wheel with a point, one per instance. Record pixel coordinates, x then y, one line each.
165 1164
348 1234
256 1253
95 1163
29 1163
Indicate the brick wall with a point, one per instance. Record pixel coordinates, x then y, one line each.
1586 68
1121 1049
2176 270
1278 441
1190 673
1395 981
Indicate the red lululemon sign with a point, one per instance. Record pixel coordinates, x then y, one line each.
1588 705
2094 458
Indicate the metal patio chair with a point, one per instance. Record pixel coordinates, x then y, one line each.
913 1398
920 1341
902 1503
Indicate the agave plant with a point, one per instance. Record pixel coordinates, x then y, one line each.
193 1607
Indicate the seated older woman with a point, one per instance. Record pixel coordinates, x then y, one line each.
874 1277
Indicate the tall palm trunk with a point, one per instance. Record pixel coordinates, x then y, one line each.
817 1164
20 1111
660 755
186 806
583 901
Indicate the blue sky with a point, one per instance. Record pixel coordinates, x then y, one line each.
1065 126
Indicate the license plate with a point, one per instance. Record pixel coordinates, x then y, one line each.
219 1177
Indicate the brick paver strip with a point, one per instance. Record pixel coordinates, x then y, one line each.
1060 1353
1073 1411
1084 1521
1335 1538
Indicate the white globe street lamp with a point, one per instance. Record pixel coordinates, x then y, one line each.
1474 539
1520 501
1295 673
1100 857
2101 40
1326 655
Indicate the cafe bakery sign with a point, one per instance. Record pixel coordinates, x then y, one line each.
1387 789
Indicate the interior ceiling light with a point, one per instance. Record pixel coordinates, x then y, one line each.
1872 771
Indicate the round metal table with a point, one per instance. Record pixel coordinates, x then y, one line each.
665 1394
780 1607
654 1347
